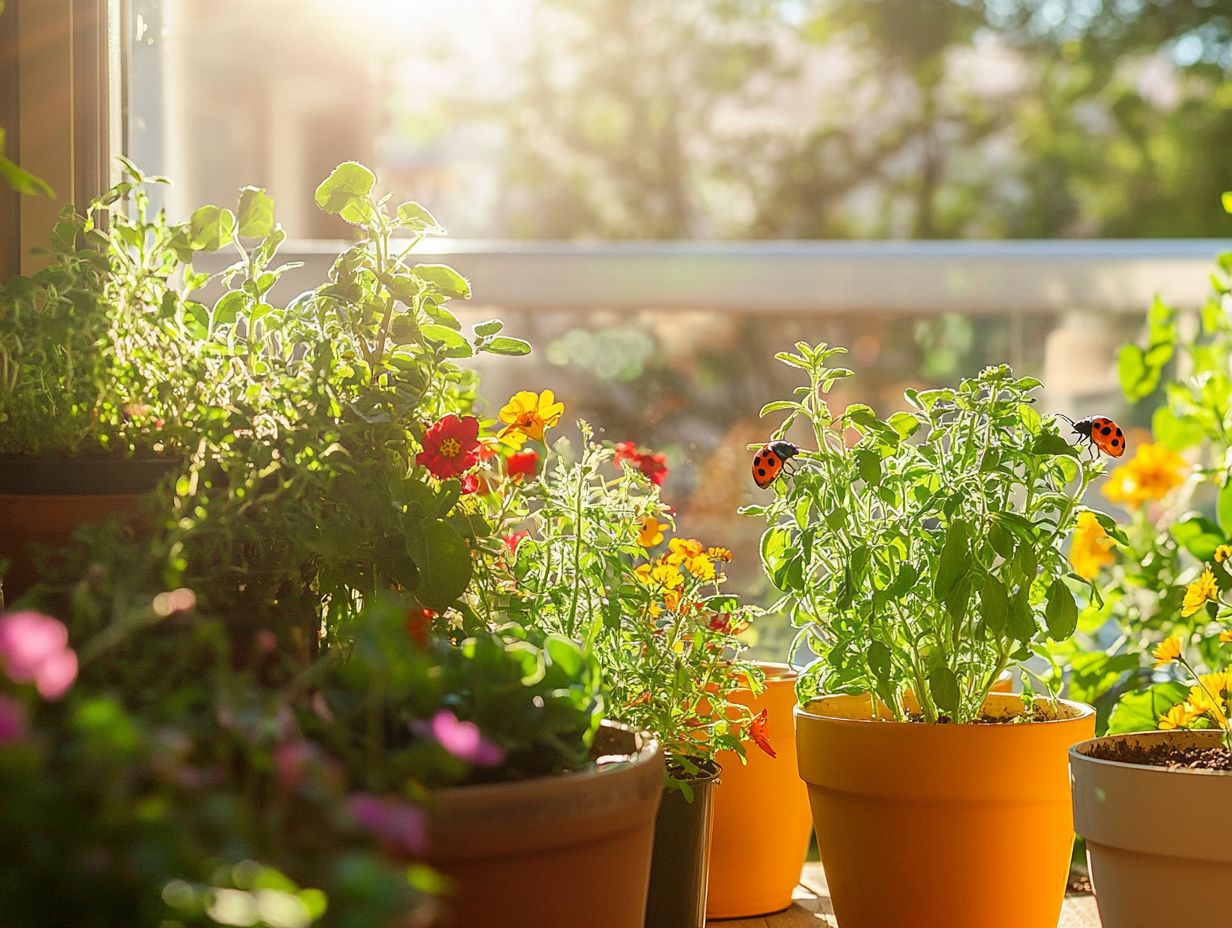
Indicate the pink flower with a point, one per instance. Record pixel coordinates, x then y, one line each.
34 649
394 822
464 740
12 721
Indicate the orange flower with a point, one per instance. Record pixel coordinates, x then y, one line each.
419 624
759 734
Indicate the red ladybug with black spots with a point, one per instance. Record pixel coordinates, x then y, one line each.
769 460
1103 433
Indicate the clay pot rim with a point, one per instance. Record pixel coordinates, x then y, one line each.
648 750
776 671
1082 711
1077 754
28 476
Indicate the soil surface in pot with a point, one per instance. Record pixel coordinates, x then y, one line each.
1037 714
1163 755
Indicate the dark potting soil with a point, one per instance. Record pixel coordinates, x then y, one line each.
1164 755
1037 715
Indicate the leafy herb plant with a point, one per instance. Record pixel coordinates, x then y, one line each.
921 555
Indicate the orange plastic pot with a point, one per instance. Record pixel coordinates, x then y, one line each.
567 851
761 812
43 501
905 813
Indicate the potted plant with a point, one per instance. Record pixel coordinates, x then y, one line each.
917 571
1184 855
762 822
588 553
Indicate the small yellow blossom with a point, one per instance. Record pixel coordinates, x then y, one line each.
649 531
1225 636
1179 716
1091 548
529 414
1209 697
1168 650
1152 473
666 576
719 554
691 554
1199 593
1222 553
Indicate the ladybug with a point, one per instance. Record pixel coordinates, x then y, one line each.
769 460
1103 433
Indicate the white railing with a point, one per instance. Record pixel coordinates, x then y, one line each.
813 276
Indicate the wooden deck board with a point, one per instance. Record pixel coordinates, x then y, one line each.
811 908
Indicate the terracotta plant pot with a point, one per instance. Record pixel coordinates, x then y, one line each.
568 851
905 813
43 501
1159 840
679 872
761 813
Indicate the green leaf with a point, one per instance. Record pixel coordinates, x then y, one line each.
345 192
21 180
444 280
229 306
1051 443
1061 614
456 345
1199 536
1021 624
904 423
995 604
943 687
210 228
952 563
255 213
869 465
1175 432
488 327
414 217
446 570
1140 711
1225 509
503 344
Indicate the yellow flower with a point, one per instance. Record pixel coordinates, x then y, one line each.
1091 548
1209 696
1198 593
1222 553
1168 650
666 576
690 553
1225 636
649 531
1152 473
529 415
719 554
1179 716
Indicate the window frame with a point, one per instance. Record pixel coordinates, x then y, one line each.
65 58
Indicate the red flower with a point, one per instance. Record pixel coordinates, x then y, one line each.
450 446
419 624
757 731
512 541
470 483
654 466
522 464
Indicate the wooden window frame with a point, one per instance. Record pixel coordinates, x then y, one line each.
64 120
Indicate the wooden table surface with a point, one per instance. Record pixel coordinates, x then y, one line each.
811 908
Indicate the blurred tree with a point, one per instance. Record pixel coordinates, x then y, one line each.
873 118
619 132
